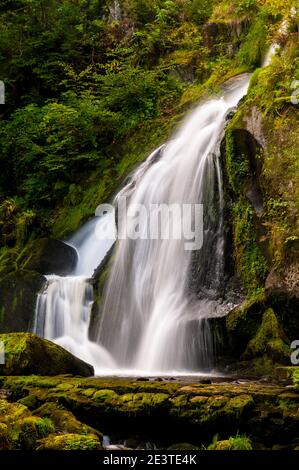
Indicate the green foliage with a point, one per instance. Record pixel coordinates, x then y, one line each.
268 339
237 165
238 442
70 442
255 44
251 263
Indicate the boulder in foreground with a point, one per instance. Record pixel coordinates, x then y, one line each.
27 354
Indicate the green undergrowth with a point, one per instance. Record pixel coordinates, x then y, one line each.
238 442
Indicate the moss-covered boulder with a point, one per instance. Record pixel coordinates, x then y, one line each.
32 428
70 442
19 429
49 428
243 322
65 422
270 340
26 353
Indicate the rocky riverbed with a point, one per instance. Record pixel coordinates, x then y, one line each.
66 412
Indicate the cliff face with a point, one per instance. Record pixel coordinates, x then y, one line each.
261 162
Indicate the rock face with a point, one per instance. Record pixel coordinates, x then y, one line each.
258 152
18 297
19 288
26 353
51 256
224 34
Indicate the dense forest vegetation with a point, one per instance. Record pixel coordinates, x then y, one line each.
87 86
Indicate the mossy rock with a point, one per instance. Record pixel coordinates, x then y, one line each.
245 319
65 422
10 413
30 401
240 404
31 429
26 353
5 443
269 340
184 411
70 441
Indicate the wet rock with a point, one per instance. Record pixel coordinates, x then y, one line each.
205 381
50 256
224 34
18 293
26 353
177 411
182 446
64 421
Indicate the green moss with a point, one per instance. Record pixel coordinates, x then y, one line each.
255 45
205 409
237 163
24 350
64 421
255 367
268 340
32 428
296 378
240 404
30 401
239 442
105 396
70 442
250 261
5 443
10 413
245 318
141 402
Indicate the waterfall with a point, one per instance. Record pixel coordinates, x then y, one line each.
159 296
63 309
150 319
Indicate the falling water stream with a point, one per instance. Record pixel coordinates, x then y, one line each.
152 320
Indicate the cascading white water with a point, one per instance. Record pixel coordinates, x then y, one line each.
150 320
153 318
63 309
